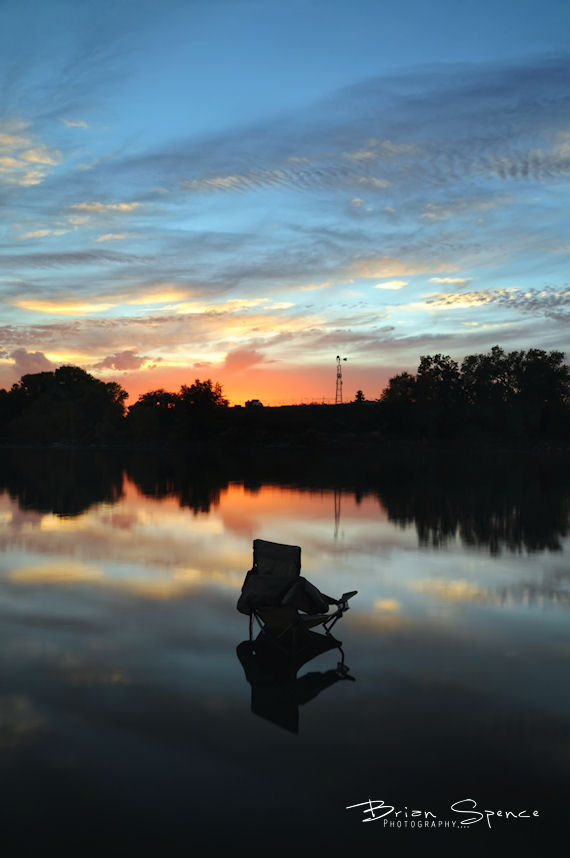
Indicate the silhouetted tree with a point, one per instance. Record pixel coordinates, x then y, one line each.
398 402
203 394
544 391
516 396
116 393
201 409
8 411
438 395
490 387
159 399
153 415
194 412
68 404
519 394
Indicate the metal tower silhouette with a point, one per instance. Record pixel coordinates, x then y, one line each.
338 394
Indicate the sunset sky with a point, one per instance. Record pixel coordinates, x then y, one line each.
243 189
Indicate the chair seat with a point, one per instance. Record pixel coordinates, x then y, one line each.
279 598
284 616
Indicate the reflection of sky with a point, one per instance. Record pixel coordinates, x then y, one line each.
155 549
174 576
120 683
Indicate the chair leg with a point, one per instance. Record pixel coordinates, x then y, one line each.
341 667
328 626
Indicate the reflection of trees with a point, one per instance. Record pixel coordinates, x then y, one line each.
500 501
60 481
196 481
517 508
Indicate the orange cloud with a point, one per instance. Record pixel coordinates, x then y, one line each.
64 308
242 358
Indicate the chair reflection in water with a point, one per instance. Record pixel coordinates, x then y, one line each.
287 608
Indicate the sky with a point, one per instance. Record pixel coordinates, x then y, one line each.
242 190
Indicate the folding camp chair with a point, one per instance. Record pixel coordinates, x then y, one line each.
280 600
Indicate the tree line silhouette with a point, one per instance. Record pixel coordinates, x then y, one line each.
519 396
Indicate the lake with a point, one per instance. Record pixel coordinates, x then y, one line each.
132 715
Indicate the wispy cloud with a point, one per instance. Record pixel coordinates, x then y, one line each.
38 233
456 281
460 300
386 266
75 123
551 301
106 208
463 207
113 236
231 305
392 284
302 176
432 142
65 259
379 149
24 160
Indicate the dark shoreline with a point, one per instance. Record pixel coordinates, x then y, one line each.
348 444
344 462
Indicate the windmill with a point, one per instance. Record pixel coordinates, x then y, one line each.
338 394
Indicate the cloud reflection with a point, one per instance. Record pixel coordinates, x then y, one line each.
57 574
19 719
452 591
179 530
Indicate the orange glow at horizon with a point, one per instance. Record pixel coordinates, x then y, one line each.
271 386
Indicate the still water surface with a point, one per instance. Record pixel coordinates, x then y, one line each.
126 716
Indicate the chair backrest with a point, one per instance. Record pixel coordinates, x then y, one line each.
273 558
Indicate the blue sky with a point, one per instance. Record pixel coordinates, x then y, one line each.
244 190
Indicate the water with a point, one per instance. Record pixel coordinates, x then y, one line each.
127 718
